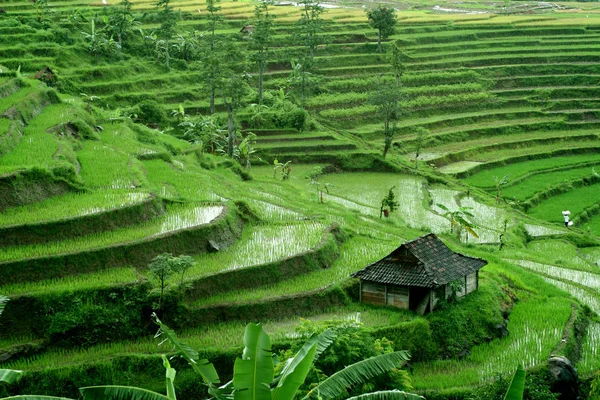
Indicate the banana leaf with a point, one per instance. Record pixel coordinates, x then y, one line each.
254 372
388 395
357 373
517 385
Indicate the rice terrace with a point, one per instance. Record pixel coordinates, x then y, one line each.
401 199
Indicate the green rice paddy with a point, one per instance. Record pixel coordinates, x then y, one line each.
72 205
535 329
575 200
485 178
177 217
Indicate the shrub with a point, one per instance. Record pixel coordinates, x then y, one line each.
150 112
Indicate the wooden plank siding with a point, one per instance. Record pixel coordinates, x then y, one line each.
399 296
374 293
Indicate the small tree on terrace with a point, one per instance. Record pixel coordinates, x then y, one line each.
389 203
421 135
121 22
163 266
385 99
500 183
384 20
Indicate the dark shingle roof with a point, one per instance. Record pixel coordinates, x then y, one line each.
433 264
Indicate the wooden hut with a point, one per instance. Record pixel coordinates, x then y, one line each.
418 274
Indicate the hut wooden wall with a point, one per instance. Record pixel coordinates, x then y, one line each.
398 296
376 293
373 293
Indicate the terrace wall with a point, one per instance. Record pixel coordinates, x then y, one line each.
220 233
322 256
79 226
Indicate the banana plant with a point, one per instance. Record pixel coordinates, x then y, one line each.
458 219
253 373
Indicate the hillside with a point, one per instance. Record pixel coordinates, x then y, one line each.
112 153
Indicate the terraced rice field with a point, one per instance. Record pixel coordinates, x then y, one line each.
72 205
178 217
535 331
512 95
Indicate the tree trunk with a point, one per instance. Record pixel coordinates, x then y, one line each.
261 68
212 99
120 45
230 130
167 52
387 137
379 49
397 110
417 161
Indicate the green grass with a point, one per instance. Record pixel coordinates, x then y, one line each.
104 279
485 178
592 254
36 148
213 336
120 136
4 125
173 180
561 253
258 245
105 167
9 101
588 279
533 150
543 181
575 200
590 359
71 205
593 225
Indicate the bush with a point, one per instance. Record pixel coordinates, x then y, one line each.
150 112
87 319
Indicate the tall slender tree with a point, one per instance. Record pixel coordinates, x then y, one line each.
211 59
168 25
385 99
261 39
234 86
310 25
398 67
